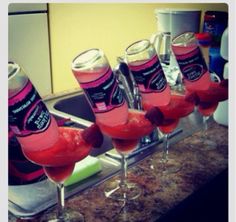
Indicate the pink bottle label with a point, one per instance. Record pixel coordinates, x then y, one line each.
149 76
104 94
192 65
27 113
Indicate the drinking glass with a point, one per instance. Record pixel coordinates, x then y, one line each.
95 76
56 149
125 138
155 91
208 103
169 165
179 107
125 126
123 189
145 65
52 173
206 114
197 78
69 149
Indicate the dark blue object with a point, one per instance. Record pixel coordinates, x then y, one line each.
215 23
216 62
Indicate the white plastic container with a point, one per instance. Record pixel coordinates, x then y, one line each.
221 113
177 21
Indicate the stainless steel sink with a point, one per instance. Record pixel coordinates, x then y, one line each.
77 106
72 105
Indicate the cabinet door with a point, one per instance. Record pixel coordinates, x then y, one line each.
26 7
29 47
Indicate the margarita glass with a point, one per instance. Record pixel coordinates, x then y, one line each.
207 102
58 161
56 149
125 138
179 106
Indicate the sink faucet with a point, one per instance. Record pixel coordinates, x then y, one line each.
125 86
126 78
132 88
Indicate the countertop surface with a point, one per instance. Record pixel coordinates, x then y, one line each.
161 192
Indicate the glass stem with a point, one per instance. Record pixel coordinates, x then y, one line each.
205 127
124 165
166 148
205 118
61 199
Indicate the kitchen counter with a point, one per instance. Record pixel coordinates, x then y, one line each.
162 193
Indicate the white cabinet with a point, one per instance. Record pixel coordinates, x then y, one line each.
28 43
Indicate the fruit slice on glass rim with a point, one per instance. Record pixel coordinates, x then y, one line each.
217 92
136 127
73 145
179 106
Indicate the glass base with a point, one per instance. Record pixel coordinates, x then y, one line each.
129 191
169 166
208 144
69 215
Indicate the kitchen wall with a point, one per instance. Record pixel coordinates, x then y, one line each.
111 27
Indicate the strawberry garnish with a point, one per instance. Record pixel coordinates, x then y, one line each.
224 83
192 97
93 135
155 116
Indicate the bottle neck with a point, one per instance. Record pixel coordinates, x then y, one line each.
16 82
